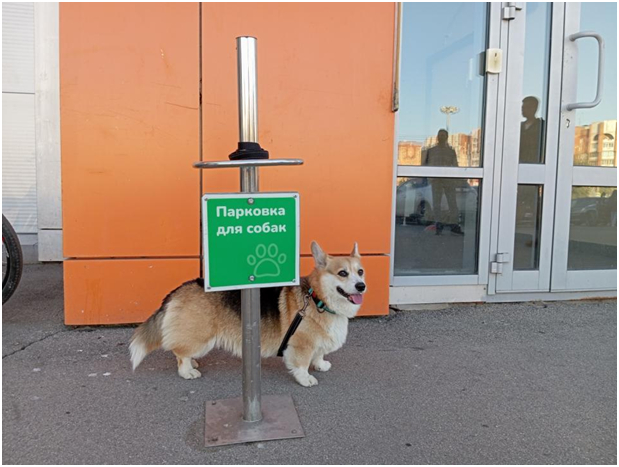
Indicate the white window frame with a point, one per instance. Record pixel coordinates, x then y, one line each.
47 130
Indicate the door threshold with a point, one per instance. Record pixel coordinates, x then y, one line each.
414 297
551 296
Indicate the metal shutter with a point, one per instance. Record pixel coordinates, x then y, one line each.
19 200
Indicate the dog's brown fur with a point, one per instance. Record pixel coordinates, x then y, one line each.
191 322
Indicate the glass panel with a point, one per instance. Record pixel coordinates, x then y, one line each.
441 84
436 228
593 228
595 141
528 227
535 82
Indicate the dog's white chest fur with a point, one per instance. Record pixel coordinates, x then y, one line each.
336 334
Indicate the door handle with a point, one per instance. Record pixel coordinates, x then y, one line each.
600 86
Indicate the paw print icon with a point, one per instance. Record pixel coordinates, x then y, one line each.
266 261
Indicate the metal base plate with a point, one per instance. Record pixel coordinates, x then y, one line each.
225 424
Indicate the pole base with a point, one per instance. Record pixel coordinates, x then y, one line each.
225 424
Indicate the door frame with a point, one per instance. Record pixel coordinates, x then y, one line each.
513 173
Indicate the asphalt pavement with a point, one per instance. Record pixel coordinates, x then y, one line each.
530 383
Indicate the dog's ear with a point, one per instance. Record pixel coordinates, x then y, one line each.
355 251
320 257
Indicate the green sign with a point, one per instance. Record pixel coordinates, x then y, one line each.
250 240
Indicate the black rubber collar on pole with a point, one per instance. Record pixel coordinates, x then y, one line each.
249 151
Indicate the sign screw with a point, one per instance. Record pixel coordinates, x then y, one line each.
252 278
250 200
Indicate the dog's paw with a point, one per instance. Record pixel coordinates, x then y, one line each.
322 365
308 381
194 363
191 374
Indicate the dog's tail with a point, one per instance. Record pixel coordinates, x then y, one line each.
146 338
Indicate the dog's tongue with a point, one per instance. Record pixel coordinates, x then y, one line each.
357 298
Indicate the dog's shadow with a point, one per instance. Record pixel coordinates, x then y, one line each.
220 364
217 366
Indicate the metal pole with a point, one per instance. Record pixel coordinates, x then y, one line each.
250 298
248 90
249 418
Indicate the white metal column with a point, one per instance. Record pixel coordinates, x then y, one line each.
513 173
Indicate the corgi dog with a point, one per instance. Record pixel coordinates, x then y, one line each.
192 322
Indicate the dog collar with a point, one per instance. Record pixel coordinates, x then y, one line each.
319 303
299 317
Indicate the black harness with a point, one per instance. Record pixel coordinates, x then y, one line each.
320 306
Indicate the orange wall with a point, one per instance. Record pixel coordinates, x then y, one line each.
115 291
324 96
130 114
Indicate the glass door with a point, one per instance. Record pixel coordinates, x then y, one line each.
585 246
557 215
442 189
530 131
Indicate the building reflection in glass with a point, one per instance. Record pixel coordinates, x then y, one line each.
596 144
466 146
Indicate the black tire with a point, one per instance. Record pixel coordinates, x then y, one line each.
14 260
591 219
423 212
422 209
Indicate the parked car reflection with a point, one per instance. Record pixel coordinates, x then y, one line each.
415 203
585 211
450 250
595 211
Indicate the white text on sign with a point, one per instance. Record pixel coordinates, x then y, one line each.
264 228
244 212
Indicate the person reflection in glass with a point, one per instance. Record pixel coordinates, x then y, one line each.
443 155
531 132
531 148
